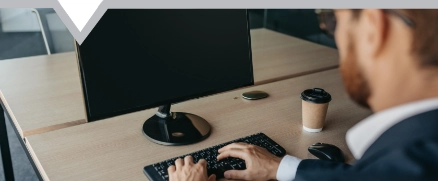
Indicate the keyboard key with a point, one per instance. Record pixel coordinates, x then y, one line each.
210 155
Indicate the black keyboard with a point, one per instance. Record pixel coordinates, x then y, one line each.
158 171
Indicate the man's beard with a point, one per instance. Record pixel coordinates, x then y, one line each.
354 82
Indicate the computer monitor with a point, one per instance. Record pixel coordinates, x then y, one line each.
135 59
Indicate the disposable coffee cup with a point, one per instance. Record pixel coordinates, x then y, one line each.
314 104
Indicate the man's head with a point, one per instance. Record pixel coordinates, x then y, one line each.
386 52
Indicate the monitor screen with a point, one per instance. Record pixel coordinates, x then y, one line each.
136 59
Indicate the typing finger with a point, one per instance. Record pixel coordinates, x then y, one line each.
171 169
179 163
233 145
188 160
212 177
233 152
202 162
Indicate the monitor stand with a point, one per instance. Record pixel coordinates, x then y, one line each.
175 128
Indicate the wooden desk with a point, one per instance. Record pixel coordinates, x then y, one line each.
278 56
115 149
43 93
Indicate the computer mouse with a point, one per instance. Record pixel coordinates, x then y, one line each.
326 151
255 95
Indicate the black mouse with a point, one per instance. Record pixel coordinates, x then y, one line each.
326 151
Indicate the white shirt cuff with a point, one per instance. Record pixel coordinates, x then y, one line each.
288 168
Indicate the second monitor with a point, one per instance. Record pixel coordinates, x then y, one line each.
136 59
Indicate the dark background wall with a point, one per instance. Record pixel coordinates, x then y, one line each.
21 44
300 23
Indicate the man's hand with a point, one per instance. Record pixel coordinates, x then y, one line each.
186 170
260 164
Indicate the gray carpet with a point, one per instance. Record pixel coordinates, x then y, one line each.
22 168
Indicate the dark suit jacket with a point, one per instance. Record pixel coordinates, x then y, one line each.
406 151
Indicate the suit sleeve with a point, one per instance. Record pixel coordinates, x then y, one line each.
319 170
414 162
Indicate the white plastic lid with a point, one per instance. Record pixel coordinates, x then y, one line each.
312 130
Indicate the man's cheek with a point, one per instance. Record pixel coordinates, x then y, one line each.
342 44
342 51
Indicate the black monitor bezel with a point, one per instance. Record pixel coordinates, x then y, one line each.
170 101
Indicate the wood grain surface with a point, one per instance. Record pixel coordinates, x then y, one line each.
115 148
43 93
278 56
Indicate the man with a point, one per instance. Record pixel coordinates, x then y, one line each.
389 63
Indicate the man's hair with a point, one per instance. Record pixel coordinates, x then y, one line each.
425 33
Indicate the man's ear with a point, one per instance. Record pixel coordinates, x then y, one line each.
375 30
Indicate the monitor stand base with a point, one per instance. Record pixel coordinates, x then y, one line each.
175 128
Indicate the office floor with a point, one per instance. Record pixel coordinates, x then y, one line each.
21 44
22 168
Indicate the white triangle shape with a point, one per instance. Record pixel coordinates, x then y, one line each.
80 11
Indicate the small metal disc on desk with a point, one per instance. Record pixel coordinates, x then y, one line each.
254 95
